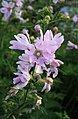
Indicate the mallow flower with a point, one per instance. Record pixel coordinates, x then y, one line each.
19 3
6 9
22 78
40 55
18 15
75 19
71 45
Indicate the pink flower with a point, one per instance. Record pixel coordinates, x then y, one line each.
18 16
6 9
19 3
21 43
22 78
55 1
37 27
53 67
40 55
71 45
25 31
75 18
29 7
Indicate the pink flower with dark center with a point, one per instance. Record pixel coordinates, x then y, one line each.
40 55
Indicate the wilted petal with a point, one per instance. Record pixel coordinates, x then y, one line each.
55 72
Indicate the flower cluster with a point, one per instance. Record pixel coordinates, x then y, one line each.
40 55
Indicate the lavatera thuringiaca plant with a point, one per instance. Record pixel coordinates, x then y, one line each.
38 62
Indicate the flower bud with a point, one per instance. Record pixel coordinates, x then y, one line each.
37 27
55 29
67 17
47 17
62 1
29 7
47 85
38 100
24 31
32 38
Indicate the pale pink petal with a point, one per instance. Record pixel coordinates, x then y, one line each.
55 72
38 69
21 85
16 80
48 35
11 5
3 10
5 4
55 63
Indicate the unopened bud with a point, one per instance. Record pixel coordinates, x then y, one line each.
32 38
29 7
62 1
67 17
47 17
27 19
37 27
38 100
55 29
49 80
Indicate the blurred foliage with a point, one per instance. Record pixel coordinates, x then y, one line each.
62 101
